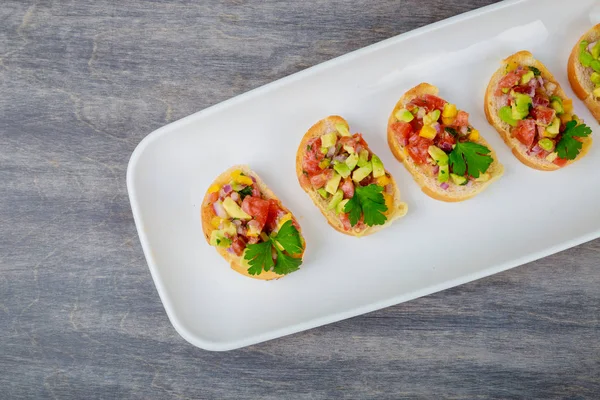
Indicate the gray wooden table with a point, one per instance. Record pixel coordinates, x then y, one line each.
82 82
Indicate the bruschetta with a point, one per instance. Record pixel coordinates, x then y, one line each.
584 70
247 224
346 180
533 115
445 154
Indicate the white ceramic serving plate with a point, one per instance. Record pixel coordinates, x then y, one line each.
525 216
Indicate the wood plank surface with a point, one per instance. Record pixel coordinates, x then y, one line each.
82 82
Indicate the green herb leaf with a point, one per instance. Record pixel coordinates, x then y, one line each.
259 257
289 238
247 191
470 157
286 264
568 147
369 202
536 72
451 131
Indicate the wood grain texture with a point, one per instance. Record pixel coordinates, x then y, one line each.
82 82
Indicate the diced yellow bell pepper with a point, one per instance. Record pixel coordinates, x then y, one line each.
564 118
242 179
511 66
214 188
450 110
448 120
428 132
389 201
283 220
216 222
383 180
474 135
568 106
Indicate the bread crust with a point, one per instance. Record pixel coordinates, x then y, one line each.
206 214
579 77
424 179
322 127
491 112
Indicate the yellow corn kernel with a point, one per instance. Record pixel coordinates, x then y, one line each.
450 110
474 135
428 132
389 201
383 180
216 222
568 106
241 179
214 188
448 120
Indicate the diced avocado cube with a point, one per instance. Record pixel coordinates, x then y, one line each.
325 163
554 127
349 149
552 156
329 140
342 129
378 169
335 200
483 177
332 184
352 161
439 156
505 90
585 57
520 108
229 227
342 169
444 173
363 158
557 104
431 117
505 114
323 193
404 115
459 180
596 92
595 77
596 50
527 77
341 205
362 172
595 64
546 144
324 150
234 210
218 239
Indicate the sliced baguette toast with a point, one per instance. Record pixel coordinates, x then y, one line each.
579 76
423 173
207 214
396 208
492 105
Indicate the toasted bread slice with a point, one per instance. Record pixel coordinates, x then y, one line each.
396 208
207 215
492 105
579 76
422 173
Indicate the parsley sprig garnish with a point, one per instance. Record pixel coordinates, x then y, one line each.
568 147
367 201
260 257
536 72
247 191
471 157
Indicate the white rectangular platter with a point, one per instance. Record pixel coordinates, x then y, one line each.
524 216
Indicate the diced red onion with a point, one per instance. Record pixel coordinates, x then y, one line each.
389 189
464 130
235 196
340 158
219 210
445 186
237 222
253 240
541 130
253 178
421 113
436 170
550 88
358 148
331 151
437 127
230 250
540 80
242 230
591 46
255 225
446 146
227 189
255 191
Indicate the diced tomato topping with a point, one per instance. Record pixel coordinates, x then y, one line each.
508 81
462 118
238 245
214 196
257 208
429 102
525 131
417 148
445 140
561 162
541 101
543 115
402 130
313 157
274 211
348 188
318 181
345 221
416 124
360 140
